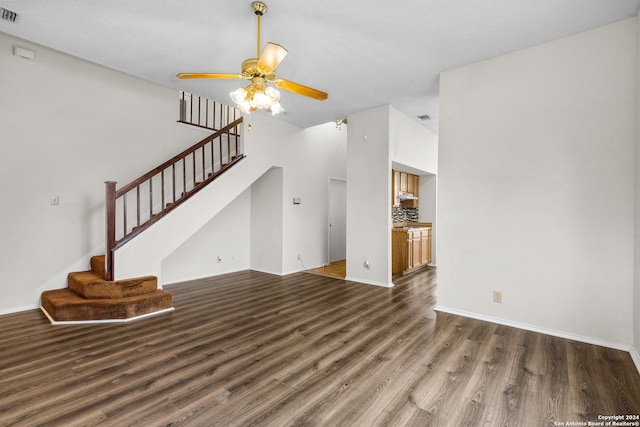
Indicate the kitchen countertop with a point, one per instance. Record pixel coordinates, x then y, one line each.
410 225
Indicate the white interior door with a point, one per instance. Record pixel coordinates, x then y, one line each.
337 220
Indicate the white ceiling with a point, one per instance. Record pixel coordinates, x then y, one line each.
363 53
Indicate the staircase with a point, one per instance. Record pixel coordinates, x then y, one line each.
89 297
93 295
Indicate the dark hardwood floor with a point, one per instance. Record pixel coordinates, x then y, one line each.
255 349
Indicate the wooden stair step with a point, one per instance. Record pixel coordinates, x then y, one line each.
66 305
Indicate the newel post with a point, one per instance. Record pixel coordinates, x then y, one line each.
110 226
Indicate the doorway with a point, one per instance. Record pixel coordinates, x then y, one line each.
337 235
337 220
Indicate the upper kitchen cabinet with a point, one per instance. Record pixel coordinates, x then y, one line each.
405 188
395 188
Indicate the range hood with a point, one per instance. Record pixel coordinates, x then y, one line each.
407 196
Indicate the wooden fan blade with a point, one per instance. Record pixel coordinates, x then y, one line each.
271 57
209 76
301 89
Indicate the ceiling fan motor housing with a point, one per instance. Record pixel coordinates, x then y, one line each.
250 70
259 8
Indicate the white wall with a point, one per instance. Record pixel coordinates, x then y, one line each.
536 185
315 154
67 126
267 222
198 256
412 144
369 197
636 270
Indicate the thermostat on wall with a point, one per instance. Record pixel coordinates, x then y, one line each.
24 53
296 200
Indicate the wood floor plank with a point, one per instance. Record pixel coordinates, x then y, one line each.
251 348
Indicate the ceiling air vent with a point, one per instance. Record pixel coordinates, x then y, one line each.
424 117
8 15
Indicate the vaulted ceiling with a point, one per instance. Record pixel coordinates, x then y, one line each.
363 53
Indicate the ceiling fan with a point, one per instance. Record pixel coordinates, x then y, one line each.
261 72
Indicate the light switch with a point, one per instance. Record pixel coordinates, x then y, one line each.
24 53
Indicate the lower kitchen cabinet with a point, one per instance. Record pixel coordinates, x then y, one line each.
411 248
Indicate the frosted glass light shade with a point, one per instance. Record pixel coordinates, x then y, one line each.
239 95
255 97
276 109
272 94
260 100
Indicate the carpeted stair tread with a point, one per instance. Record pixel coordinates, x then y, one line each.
97 265
91 285
66 305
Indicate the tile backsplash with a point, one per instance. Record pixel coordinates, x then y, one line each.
400 214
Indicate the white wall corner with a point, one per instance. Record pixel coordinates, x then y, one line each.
369 282
266 271
60 279
636 357
636 270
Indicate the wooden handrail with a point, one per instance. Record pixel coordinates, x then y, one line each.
177 157
123 225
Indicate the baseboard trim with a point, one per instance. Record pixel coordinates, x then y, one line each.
532 328
636 357
259 270
369 282
96 322
174 282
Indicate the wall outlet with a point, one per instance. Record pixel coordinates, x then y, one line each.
54 200
299 257
219 258
367 265
497 296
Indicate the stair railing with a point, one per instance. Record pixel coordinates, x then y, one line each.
205 113
141 203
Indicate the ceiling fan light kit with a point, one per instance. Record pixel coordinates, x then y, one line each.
259 94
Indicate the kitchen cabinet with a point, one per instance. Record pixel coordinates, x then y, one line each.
410 247
402 182
413 182
395 188
425 246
